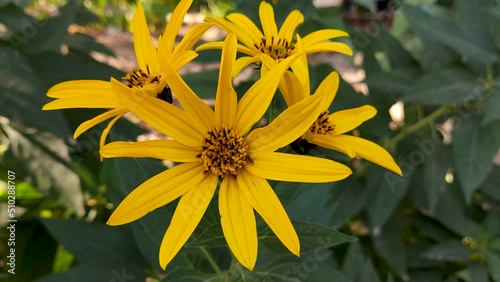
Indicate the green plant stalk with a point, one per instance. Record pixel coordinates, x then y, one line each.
210 260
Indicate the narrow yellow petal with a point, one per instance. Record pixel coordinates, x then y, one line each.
301 66
329 47
256 100
193 35
210 46
347 120
80 88
246 25
330 142
323 35
106 130
328 87
186 217
183 58
292 89
159 149
268 22
287 127
238 222
88 101
295 168
290 24
157 191
370 151
174 25
263 199
98 119
225 99
143 44
242 62
230 27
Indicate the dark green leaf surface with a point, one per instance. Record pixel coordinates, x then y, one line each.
491 106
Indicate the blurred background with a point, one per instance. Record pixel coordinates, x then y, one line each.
430 67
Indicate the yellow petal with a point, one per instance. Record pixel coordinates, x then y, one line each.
263 199
267 20
182 59
287 127
242 62
76 88
329 47
323 35
190 102
193 35
295 168
290 24
328 87
98 119
143 44
256 100
88 101
292 89
210 46
330 142
174 25
157 191
225 99
159 149
248 26
186 217
107 129
238 222
347 120
370 151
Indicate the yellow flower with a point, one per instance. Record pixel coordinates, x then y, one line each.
213 145
328 130
99 94
276 44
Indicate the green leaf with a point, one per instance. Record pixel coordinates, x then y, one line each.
392 83
491 106
85 44
190 275
368 4
473 148
493 262
94 241
478 272
357 267
451 85
209 237
434 171
204 84
451 251
346 200
43 161
388 241
491 184
398 56
311 236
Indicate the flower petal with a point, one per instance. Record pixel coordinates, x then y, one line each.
165 117
370 151
174 25
238 222
338 47
330 142
268 22
263 199
287 127
183 58
159 149
106 130
328 87
248 26
242 62
295 168
88 101
322 35
143 44
218 45
186 217
76 88
193 35
98 119
292 89
347 120
225 99
256 100
290 24
157 191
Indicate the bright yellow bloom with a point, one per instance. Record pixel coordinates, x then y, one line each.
213 145
99 94
276 44
328 130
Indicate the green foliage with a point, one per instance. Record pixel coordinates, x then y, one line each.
440 221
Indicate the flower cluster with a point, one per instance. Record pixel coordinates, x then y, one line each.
221 147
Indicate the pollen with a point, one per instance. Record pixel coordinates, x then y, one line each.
277 49
322 125
224 152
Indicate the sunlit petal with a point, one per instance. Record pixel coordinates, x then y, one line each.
193 35
106 130
174 25
242 62
290 25
295 168
186 217
88 101
322 35
263 199
225 99
247 25
292 89
328 87
157 191
183 58
347 120
74 88
238 222
160 149
98 119
329 47
266 15
330 142
143 44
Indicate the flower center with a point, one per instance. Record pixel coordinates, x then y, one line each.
139 78
224 152
322 125
277 49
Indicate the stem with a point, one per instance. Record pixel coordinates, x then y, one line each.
210 259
